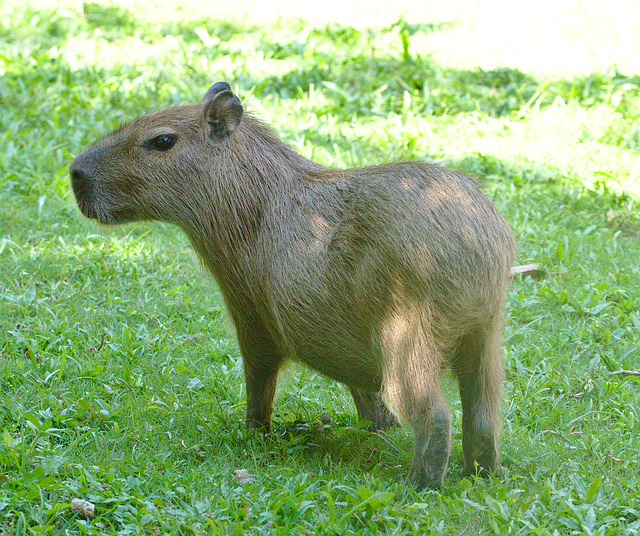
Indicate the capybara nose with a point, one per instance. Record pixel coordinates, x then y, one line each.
79 183
82 189
81 177
78 178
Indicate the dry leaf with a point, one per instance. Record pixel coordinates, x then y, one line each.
242 476
84 508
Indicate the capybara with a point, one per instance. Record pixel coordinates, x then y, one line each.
380 277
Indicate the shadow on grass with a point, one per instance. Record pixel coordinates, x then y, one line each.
307 446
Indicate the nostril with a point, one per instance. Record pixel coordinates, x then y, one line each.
81 185
77 177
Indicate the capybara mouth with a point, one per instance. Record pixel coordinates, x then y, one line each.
105 217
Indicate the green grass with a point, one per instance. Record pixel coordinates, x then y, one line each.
120 379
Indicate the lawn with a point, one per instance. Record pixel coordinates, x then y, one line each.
120 378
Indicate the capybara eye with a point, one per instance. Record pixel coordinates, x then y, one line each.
164 142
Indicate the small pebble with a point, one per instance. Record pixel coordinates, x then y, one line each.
84 508
242 476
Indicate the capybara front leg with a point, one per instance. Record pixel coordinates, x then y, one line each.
261 360
261 390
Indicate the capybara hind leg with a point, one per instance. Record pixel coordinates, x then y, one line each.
372 407
432 431
478 366
413 364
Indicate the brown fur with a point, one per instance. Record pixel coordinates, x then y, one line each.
378 277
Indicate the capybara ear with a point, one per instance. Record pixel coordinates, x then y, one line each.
222 111
215 89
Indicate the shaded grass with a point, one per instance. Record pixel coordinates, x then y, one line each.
121 381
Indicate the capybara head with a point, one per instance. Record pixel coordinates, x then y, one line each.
152 167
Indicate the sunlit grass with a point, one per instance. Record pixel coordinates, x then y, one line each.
570 38
120 378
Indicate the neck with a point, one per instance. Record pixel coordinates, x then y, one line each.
250 174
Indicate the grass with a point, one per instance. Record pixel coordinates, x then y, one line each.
120 379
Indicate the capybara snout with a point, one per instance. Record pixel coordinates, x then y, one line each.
379 277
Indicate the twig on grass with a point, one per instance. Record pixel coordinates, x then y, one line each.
613 458
531 270
100 345
623 372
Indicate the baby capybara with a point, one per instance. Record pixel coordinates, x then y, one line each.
379 277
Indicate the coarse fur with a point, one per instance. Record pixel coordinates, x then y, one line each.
379 277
